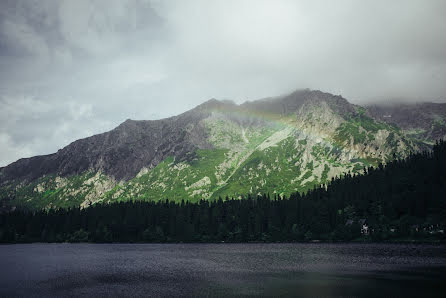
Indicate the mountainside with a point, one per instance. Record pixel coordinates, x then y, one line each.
401 201
278 145
424 121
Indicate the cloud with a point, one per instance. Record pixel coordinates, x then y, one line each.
22 37
334 46
10 151
32 126
69 69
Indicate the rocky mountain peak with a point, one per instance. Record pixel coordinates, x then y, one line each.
143 144
423 120
215 105
286 143
292 102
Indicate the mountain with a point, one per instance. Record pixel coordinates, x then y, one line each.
424 121
402 201
278 145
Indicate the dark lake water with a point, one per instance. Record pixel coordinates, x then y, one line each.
300 270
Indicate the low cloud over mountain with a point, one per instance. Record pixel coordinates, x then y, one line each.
69 69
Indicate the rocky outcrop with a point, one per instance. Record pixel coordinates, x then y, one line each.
291 103
279 145
426 121
120 153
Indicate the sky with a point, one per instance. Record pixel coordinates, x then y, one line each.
73 68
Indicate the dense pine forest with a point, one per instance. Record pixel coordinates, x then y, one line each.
403 200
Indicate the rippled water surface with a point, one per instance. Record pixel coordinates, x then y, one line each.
302 270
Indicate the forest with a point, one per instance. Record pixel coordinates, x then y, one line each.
405 200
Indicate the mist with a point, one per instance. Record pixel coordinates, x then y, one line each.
71 69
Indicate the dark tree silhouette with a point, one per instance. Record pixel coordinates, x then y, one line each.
406 199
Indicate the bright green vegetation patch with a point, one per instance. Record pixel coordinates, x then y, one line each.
320 152
438 124
400 202
257 159
391 140
348 130
268 170
416 133
324 175
50 191
280 169
204 175
357 167
361 128
175 180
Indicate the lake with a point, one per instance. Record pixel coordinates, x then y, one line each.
301 270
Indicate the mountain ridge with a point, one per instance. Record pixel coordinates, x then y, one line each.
426 120
37 162
280 144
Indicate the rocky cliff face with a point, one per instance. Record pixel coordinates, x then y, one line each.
276 145
120 153
424 121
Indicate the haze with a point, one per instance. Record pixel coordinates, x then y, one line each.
70 69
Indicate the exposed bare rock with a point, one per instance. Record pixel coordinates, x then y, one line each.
425 120
121 152
317 136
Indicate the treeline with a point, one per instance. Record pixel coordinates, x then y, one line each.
406 199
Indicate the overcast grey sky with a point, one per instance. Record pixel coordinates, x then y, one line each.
70 69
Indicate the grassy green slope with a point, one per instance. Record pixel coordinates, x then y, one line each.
267 154
53 191
193 180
